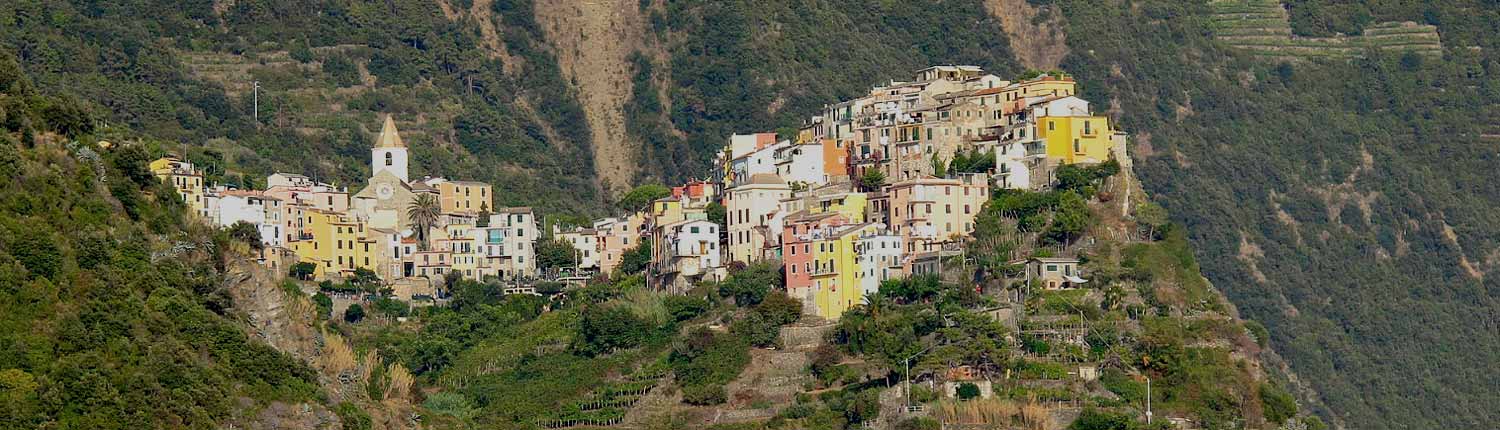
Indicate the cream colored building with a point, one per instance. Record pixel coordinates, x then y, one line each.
616 236
749 210
927 212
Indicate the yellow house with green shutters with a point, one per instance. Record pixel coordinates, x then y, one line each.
335 243
836 273
1076 139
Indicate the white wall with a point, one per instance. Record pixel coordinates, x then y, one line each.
1010 157
398 162
805 165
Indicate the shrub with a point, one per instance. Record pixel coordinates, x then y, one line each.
967 391
354 313
1277 403
352 417
1093 419
38 253
703 394
604 328
919 423
683 308
751 285
779 309
1258 332
756 329
325 304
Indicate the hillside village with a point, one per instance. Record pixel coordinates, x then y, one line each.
870 184
956 200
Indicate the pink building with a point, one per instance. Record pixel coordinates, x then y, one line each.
797 251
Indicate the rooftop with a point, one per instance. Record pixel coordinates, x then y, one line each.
389 137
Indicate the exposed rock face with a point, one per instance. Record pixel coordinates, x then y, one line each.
594 41
1038 42
288 323
282 322
278 415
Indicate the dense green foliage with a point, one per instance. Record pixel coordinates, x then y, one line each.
1345 176
112 315
181 72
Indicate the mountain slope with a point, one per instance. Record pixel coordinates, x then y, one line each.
475 88
111 311
1346 204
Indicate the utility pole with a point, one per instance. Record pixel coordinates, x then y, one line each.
907 365
1148 400
255 96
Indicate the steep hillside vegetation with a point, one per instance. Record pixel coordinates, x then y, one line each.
1348 205
475 87
112 315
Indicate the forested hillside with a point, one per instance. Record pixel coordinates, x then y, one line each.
474 87
112 314
1348 205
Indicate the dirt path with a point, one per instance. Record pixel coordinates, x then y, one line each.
594 40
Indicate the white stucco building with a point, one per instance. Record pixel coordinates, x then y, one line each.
801 163
879 259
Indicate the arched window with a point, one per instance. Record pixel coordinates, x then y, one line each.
388 159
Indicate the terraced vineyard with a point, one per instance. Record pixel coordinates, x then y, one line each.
1262 28
606 406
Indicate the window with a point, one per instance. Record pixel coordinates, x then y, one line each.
1051 267
389 160
1051 126
693 229
1076 146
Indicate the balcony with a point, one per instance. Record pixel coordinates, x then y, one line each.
822 272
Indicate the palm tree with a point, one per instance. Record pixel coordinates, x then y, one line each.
423 213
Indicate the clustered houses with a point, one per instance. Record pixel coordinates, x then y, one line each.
798 200
306 221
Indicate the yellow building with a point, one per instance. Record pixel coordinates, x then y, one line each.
185 179
836 274
334 242
465 197
850 205
1041 86
1076 139
668 210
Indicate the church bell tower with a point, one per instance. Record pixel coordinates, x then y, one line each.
389 153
